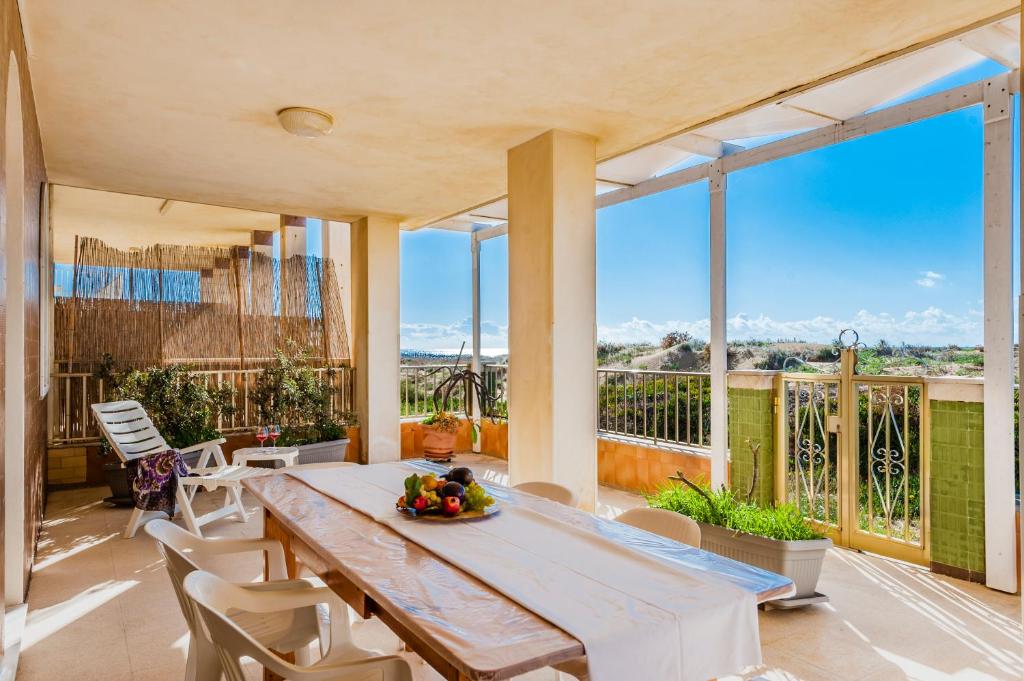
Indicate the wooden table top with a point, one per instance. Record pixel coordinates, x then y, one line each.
470 626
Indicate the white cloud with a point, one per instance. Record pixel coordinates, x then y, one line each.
931 326
451 336
929 279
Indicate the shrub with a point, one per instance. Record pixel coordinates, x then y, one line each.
674 338
289 393
724 509
181 404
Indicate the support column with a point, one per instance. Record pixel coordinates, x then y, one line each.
293 242
474 249
1020 322
719 351
375 336
337 247
1000 520
552 312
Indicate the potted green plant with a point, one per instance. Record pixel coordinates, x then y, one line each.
441 428
776 538
289 393
184 408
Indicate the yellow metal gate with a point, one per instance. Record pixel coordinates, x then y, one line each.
854 457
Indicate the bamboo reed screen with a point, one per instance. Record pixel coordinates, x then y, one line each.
215 307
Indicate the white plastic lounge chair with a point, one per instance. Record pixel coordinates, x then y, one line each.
131 434
215 598
289 631
549 490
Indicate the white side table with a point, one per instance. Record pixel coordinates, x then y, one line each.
286 455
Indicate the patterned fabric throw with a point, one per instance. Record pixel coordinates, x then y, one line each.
154 480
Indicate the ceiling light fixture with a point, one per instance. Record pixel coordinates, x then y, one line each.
305 122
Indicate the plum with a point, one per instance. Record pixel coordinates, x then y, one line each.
454 489
463 476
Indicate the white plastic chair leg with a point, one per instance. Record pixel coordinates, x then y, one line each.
202 663
185 506
137 520
235 495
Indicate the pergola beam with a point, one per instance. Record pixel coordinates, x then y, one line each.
491 232
994 43
852 128
702 145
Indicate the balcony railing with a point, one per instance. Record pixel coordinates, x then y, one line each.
664 407
71 394
417 384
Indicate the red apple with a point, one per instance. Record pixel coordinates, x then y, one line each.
419 503
451 506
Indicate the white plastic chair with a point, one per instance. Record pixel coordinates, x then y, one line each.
289 631
674 526
215 600
549 490
132 435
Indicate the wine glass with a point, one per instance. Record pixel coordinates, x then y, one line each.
275 432
261 435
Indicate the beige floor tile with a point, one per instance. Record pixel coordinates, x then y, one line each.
103 607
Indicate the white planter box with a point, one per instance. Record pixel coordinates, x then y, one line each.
323 452
799 560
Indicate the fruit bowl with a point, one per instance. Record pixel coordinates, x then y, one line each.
452 496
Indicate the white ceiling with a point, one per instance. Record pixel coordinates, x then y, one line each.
177 99
126 221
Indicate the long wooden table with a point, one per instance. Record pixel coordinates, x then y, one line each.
456 623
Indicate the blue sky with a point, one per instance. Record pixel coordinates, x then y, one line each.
882 234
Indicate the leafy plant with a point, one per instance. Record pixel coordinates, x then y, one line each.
289 393
181 403
444 421
488 396
721 507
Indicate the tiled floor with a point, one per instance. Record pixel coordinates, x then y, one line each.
101 607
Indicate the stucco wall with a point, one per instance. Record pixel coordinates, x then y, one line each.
13 45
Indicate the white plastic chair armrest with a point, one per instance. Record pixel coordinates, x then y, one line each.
392 667
202 445
277 601
277 585
275 552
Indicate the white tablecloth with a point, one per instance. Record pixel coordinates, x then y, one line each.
638 617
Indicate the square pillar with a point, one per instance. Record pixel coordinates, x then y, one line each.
375 336
1000 495
337 247
293 275
552 312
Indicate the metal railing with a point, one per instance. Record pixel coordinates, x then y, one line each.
70 419
417 384
665 407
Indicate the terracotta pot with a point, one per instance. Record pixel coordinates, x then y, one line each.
437 445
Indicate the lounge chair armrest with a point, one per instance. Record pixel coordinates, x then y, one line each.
202 445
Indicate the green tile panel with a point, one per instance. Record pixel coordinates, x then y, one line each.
958 485
751 416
